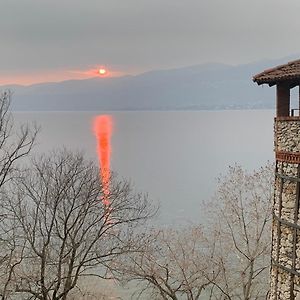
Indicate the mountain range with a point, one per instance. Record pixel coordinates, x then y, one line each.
212 86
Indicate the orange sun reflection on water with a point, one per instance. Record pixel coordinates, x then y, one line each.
102 127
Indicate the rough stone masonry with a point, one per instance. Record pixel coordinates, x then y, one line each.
285 253
285 271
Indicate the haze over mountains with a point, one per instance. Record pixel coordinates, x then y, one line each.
203 87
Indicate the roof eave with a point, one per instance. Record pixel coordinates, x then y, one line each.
291 82
265 82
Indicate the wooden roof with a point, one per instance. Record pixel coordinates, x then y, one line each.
289 72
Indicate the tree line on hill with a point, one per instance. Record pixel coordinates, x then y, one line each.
55 233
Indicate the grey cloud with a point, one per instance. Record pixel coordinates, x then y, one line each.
144 34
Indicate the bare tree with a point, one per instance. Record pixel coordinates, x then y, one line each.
240 219
228 258
66 231
15 145
174 264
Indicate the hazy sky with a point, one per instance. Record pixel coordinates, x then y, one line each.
56 39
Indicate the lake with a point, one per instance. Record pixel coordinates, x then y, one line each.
173 156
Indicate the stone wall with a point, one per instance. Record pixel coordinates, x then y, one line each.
285 271
287 135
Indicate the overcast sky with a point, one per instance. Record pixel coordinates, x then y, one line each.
48 38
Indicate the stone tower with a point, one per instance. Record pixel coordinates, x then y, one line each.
285 256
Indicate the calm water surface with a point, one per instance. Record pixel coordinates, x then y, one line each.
173 156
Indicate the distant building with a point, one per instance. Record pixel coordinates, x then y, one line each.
285 269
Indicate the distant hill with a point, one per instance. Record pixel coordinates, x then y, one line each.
208 86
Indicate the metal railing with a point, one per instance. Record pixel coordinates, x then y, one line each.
293 112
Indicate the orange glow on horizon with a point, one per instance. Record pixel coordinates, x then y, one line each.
29 78
102 127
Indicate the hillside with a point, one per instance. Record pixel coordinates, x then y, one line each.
207 86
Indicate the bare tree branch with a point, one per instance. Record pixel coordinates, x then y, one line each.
242 206
15 145
172 264
68 234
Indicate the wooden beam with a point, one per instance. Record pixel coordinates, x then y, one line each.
283 100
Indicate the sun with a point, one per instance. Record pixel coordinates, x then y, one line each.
102 71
